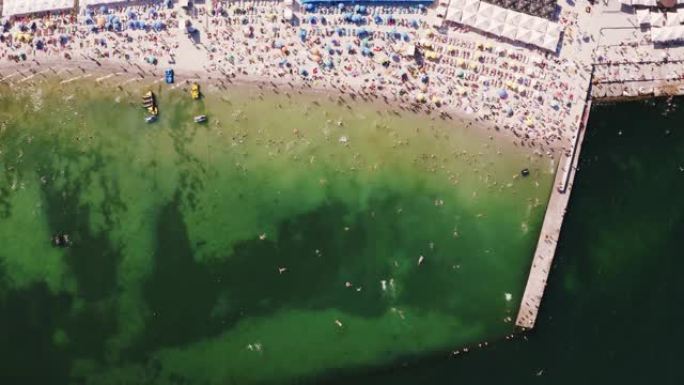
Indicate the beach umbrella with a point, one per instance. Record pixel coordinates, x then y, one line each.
63 39
309 7
405 36
350 48
278 44
328 63
378 19
508 110
414 23
313 19
132 14
131 24
340 6
302 34
339 31
103 9
357 8
303 72
348 16
88 20
424 78
502 93
362 9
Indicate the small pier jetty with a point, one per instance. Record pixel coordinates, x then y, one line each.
553 220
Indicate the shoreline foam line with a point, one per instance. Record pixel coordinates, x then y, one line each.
549 235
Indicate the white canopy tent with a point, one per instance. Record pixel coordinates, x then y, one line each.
24 7
495 27
482 22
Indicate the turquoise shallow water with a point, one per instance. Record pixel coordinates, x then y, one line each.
612 312
285 239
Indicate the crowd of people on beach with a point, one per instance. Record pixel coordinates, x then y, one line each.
379 53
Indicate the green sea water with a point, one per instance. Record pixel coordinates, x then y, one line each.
288 238
612 312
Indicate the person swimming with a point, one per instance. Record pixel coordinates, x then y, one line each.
61 240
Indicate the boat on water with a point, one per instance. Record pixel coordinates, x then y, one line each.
195 91
151 119
200 118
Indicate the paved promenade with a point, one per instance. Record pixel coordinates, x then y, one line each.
548 238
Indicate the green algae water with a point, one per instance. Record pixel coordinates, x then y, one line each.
286 238
612 312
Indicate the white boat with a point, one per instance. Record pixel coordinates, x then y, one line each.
200 118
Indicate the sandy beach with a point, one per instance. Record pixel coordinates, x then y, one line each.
389 55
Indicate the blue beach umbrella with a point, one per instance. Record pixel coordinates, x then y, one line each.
378 19
502 93
309 7
328 63
424 78
366 52
103 9
302 34
88 20
303 72
131 24
132 14
362 9
414 23
313 20
340 6
406 36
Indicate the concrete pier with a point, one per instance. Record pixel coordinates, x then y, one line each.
548 238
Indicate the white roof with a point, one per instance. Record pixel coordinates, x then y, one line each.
660 35
509 31
550 42
495 27
486 9
499 14
536 38
469 18
539 24
482 22
643 16
85 3
23 7
513 17
657 19
523 34
472 6
454 14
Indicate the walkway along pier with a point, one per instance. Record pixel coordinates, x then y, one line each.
553 220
